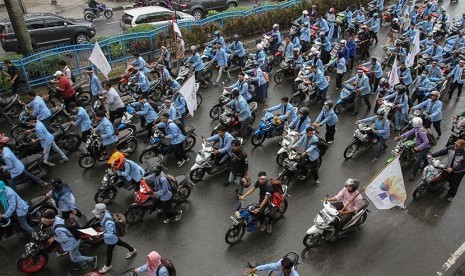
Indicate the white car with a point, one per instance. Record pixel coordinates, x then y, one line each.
152 15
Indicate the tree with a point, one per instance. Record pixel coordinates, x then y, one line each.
15 12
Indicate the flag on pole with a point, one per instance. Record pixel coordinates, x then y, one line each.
393 76
98 59
176 29
387 189
188 91
414 50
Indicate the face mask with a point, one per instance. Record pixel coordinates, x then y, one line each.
423 75
97 216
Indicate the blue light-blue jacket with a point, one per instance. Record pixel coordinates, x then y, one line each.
430 51
141 65
352 46
63 236
379 4
287 49
261 58
407 77
427 26
258 76
175 86
162 272
305 34
146 111
173 114
238 48
82 118
433 109
434 73
144 83
374 24
131 171
309 146
302 19
108 224
319 63
327 117
427 42
323 24
376 68
108 133
400 100
276 35
66 203
318 79
179 103
276 267
325 44
455 39
12 164
290 112
40 109
15 204
340 64
457 73
424 85
461 22
221 58
303 127
163 188
411 33
241 106
94 84
382 126
172 132
43 135
360 17
219 40
363 84
243 89
196 61
224 143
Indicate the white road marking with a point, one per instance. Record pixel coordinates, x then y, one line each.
115 22
451 261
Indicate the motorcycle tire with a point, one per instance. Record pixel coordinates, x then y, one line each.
199 99
279 77
252 118
338 108
17 130
88 17
312 240
134 214
123 87
297 99
208 75
154 74
30 264
295 86
183 193
108 14
234 234
269 67
156 95
281 211
34 219
257 139
420 190
84 98
189 143
281 157
69 142
351 149
87 161
285 178
215 112
106 196
14 110
277 60
147 154
196 175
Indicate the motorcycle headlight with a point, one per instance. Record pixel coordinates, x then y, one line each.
237 214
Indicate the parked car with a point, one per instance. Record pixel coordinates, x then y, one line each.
153 15
200 8
47 29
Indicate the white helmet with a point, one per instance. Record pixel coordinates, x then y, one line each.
275 26
305 12
259 46
395 20
296 50
417 122
343 41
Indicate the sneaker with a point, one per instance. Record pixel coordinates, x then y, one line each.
76 267
180 163
317 182
94 262
178 216
131 254
166 221
269 228
105 269
64 160
262 226
44 185
186 160
450 199
49 163
330 142
215 83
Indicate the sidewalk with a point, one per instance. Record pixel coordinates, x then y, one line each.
65 8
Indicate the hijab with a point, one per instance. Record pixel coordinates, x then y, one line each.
3 198
153 261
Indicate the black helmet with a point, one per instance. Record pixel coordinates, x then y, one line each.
304 111
156 169
329 103
310 128
352 182
401 88
255 64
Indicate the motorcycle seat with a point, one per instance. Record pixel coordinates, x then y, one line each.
55 109
181 179
6 101
57 133
35 201
28 160
126 98
125 134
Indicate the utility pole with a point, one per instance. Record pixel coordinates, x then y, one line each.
16 11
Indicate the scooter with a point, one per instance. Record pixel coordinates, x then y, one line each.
293 168
458 129
12 105
90 15
284 71
431 177
229 119
144 200
404 149
304 90
208 53
123 83
346 97
185 73
323 229
304 71
83 97
363 137
223 99
34 164
291 136
270 126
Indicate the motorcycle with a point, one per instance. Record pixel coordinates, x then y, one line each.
12 106
208 53
230 120
285 70
404 149
270 126
293 168
388 15
207 74
346 97
223 99
159 144
431 177
303 91
245 220
289 139
458 129
94 150
277 58
323 229
83 97
123 83
34 164
142 3
144 200
363 137
304 71
90 15
253 57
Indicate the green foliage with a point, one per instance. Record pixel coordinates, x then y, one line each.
140 28
11 57
236 9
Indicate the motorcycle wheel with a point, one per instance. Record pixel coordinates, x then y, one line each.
183 193
208 75
88 16
17 130
253 117
285 179
257 139
70 142
235 234
420 190
147 154
59 119
281 211
364 218
350 150
84 98
30 264
295 86
106 196
197 175
189 143
131 146
215 112
297 100
279 77
14 110
312 240
338 108
87 161
277 60
134 214
269 67
156 95
281 157
123 87
34 220
108 14
199 99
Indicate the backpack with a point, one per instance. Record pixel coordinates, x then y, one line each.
431 139
169 266
181 127
321 146
120 224
71 228
266 76
277 197
173 183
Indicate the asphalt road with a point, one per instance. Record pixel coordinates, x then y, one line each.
413 241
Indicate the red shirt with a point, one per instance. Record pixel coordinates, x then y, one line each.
68 90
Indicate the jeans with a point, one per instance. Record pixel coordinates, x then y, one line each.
421 156
236 180
27 174
321 94
358 102
339 80
261 92
400 119
76 256
380 146
110 248
453 86
376 82
220 73
436 125
454 180
55 148
149 127
47 125
25 226
314 168
330 131
178 151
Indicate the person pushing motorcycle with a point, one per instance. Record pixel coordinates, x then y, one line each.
131 172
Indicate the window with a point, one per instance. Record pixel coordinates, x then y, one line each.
54 22
35 24
142 19
166 16
155 17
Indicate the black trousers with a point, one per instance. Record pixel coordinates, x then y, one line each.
69 100
149 127
358 102
339 80
415 96
339 223
245 127
352 58
454 180
178 151
453 86
168 208
85 134
110 248
118 113
67 214
330 131
436 125
375 84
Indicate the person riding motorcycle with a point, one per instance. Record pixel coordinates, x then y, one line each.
302 121
261 56
242 86
276 35
107 132
93 4
196 62
435 73
129 170
218 38
305 37
434 51
381 129
147 112
329 118
237 49
286 109
309 151
242 109
303 19
401 105
297 61
176 137
224 140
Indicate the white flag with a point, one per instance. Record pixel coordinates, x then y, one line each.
188 91
393 76
98 59
414 50
176 29
387 189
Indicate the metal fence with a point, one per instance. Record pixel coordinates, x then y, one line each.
38 68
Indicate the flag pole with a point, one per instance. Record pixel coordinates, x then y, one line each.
369 182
